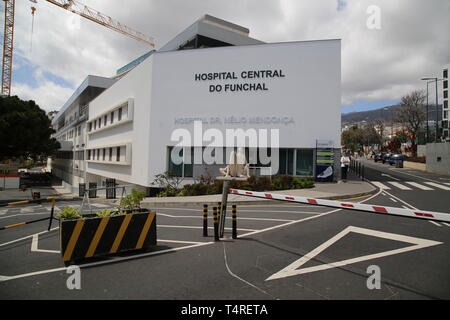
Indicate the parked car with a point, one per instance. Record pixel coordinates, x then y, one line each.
386 157
378 156
397 160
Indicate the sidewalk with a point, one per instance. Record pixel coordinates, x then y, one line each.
331 191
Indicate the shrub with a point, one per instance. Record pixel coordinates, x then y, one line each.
302 183
263 184
168 192
105 213
69 214
282 183
133 200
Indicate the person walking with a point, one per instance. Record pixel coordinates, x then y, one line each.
345 163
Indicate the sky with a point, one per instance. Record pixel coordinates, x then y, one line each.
387 46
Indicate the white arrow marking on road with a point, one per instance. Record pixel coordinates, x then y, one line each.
386 175
293 269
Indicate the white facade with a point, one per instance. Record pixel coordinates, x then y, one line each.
165 92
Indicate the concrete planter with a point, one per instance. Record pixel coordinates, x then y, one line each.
99 236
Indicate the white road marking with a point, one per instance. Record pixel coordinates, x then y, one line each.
399 185
179 241
393 200
418 185
27 237
228 218
293 269
440 186
195 227
34 246
25 214
386 175
406 203
435 223
447 224
380 185
413 175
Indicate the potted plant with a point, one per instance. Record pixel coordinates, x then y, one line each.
125 228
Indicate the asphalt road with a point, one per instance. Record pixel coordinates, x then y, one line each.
284 251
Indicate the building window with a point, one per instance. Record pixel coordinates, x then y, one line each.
286 166
304 163
110 154
118 154
95 125
186 167
445 74
112 117
90 126
99 123
445 104
445 94
104 154
445 84
105 120
89 154
120 115
445 114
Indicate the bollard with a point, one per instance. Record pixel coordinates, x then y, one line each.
234 216
52 212
216 224
205 220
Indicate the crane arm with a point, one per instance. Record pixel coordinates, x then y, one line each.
100 18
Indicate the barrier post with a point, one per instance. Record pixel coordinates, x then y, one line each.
52 212
234 216
205 220
216 225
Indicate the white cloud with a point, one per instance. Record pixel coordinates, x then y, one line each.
380 64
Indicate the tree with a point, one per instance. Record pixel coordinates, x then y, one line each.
25 130
411 113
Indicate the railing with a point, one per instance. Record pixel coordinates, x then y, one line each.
358 168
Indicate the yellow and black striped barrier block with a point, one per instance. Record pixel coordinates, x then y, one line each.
91 237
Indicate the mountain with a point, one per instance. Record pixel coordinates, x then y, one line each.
385 114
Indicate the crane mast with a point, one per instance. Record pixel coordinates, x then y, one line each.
8 44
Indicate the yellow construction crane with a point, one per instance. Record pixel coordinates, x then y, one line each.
70 5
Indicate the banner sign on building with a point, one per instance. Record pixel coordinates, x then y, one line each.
324 160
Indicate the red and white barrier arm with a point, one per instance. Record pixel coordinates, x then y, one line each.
428 215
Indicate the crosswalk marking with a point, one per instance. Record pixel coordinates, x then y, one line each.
440 186
399 185
418 185
380 185
404 185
